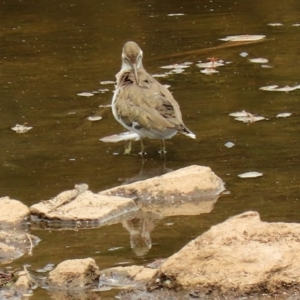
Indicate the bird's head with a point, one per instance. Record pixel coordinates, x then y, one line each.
132 57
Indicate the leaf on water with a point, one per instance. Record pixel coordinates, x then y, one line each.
284 115
243 38
209 71
107 82
268 87
175 15
114 248
267 66
176 66
275 24
94 118
229 144
104 105
250 175
103 90
244 54
21 128
275 88
246 117
124 136
259 60
159 75
237 114
250 119
175 71
211 64
85 94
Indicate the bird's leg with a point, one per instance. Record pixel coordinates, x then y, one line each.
163 149
142 153
127 147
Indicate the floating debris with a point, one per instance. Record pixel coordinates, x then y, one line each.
246 117
211 64
275 24
104 105
47 268
229 144
284 115
116 280
103 90
85 94
124 136
237 114
114 248
177 66
259 60
209 71
267 66
94 118
243 38
296 25
244 54
107 82
159 75
269 87
250 175
175 15
274 88
21 128
175 71
250 119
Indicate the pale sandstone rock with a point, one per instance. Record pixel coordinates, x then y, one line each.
243 255
187 182
74 274
84 206
188 191
12 211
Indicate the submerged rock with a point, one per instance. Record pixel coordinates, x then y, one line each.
74 274
14 244
241 256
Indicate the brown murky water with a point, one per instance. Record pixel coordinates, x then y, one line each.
51 51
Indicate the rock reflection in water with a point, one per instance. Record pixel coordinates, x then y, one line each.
139 229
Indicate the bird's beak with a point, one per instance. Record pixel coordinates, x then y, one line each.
135 72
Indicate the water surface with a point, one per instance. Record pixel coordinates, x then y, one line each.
51 51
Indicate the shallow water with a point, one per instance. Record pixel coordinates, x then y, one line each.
51 51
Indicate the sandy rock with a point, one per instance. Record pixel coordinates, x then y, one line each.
189 182
12 211
74 274
189 191
75 205
241 256
25 283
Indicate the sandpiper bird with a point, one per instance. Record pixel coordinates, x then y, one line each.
141 104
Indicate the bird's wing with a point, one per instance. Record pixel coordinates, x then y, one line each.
151 107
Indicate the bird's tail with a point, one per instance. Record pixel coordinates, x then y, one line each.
188 133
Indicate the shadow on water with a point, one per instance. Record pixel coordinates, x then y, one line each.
52 51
